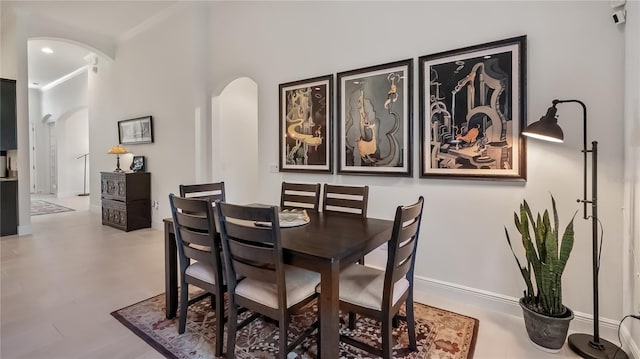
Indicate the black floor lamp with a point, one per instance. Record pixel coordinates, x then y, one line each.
84 180
585 345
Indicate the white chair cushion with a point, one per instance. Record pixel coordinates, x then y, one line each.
301 284
201 271
363 286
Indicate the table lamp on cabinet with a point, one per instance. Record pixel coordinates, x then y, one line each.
117 150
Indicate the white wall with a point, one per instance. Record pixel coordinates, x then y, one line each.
67 104
237 141
8 58
66 97
631 237
158 73
72 134
462 236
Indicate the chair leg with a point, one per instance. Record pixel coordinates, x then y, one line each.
411 323
319 338
352 320
387 337
219 306
184 304
232 327
284 340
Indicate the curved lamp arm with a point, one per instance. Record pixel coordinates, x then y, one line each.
585 150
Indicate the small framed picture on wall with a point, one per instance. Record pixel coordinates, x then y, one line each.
136 130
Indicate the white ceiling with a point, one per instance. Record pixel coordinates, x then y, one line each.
107 18
46 68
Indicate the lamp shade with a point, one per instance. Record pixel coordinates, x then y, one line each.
117 150
546 128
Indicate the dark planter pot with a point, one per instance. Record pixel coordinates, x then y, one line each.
549 333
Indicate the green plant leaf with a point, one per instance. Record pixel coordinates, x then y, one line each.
566 246
546 256
526 273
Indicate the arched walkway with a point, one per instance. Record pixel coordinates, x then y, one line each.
234 138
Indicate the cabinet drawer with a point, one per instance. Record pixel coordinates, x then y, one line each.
114 186
114 214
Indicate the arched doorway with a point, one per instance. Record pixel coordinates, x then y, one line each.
235 139
58 115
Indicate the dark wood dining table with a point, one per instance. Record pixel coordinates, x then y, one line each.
329 242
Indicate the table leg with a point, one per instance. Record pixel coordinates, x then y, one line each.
329 311
170 271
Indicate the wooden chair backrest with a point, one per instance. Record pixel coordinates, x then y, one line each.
402 247
345 199
250 250
300 195
195 232
213 191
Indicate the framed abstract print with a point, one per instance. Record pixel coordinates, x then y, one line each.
472 111
306 128
375 120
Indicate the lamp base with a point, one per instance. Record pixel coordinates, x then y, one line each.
581 345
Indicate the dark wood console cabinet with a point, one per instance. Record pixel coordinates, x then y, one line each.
8 125
126 200
8 207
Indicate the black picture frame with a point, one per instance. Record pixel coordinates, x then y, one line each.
138 164
306 125
472 112
136 131
375 120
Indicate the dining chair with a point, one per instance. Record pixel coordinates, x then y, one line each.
300 195
199 253
252 249
380 294
214 191
345 199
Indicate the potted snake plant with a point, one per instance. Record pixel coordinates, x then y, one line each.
546 318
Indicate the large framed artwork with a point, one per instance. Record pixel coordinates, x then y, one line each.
472 111
306 125
136 130
375 120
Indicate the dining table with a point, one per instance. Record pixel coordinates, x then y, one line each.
327 243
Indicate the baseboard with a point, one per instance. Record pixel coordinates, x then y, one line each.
95 208
582 323
65 194
629 344
24 230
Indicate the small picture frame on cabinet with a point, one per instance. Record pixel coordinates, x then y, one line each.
137 165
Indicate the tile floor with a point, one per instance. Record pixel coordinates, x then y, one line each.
59 285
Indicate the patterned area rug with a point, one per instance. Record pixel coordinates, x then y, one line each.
441 334
39 207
